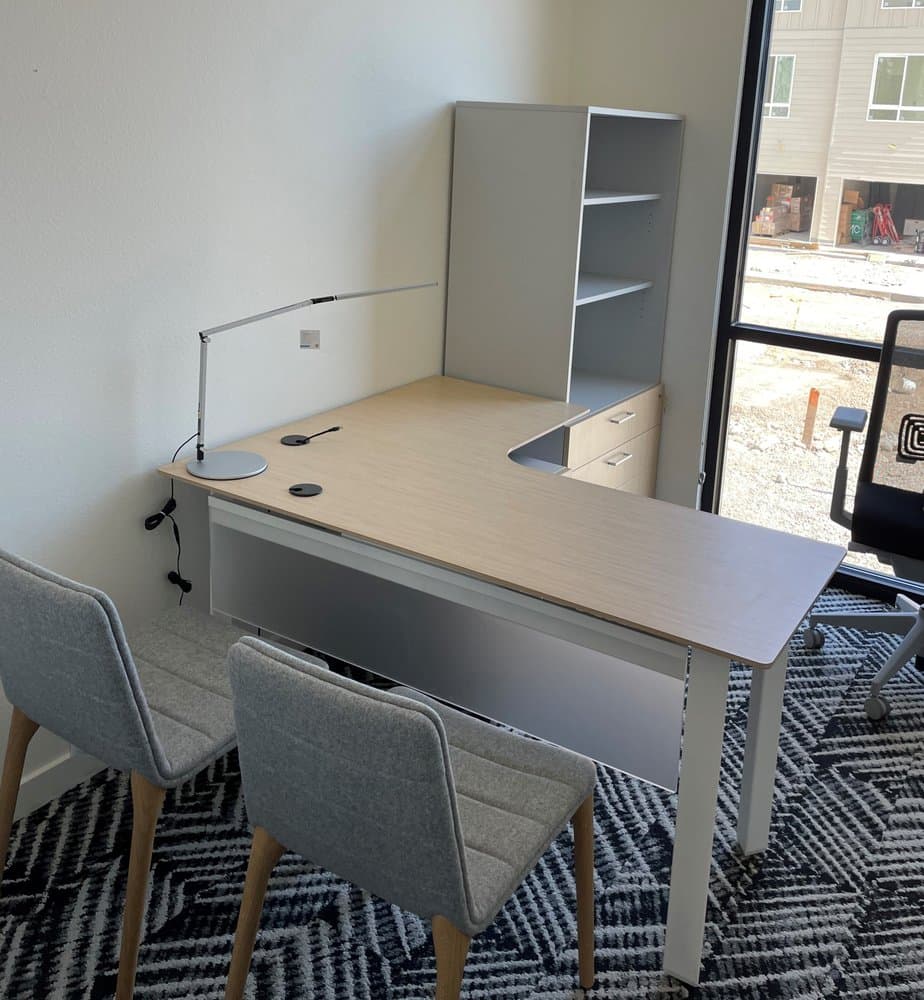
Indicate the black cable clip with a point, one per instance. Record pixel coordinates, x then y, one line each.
156 520
179 581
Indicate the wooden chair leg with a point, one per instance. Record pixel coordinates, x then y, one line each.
583 823
22 729
451 947
147 802
264 853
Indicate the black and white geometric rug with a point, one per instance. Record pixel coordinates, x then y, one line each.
835 908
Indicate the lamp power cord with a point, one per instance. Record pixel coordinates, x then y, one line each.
175 576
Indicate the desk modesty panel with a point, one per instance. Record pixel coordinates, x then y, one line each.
600 689
424 470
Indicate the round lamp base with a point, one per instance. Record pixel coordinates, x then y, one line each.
227 465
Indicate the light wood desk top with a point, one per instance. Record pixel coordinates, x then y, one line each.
424 470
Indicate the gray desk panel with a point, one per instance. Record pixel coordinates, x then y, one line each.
615 711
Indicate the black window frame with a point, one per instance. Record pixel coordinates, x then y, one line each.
730 329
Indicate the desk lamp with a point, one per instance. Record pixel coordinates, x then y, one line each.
243 464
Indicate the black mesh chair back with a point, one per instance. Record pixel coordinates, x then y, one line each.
889 508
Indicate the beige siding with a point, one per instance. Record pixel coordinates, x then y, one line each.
815 15
861 149
869 14
874 150
799 144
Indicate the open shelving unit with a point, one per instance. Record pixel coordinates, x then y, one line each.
562 231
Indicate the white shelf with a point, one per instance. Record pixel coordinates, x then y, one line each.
597 392
596 287
597 196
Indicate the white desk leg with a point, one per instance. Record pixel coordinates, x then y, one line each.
760 751
703 730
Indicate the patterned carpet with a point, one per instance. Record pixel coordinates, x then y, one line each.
834 909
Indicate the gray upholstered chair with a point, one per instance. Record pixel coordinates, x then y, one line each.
428 808
161 714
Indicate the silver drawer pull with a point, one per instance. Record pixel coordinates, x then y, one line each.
619 459
622 418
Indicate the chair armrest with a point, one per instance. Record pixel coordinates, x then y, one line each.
846 419
849 418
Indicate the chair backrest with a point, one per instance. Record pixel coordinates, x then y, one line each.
888 511
354 779
65 662
894 451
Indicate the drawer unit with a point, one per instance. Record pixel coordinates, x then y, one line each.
607 430
635 459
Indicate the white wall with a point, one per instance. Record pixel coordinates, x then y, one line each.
662 55
166 167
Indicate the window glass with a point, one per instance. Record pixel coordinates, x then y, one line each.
835 240
913 94
781 453
782 88
789 6
837 206
888 86
898 89
780 71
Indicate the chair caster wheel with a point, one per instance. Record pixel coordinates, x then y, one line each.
877 708
813 638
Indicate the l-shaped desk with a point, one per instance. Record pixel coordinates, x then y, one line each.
597 619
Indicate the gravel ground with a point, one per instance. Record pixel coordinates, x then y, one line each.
771 478
871 271
839 313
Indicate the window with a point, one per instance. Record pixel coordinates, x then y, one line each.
780 71
794 6
787 356
886 4
897 93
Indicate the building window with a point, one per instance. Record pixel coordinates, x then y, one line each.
780 70
889 4
790 6
897 93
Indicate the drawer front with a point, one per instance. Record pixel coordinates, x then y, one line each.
608 429
631 464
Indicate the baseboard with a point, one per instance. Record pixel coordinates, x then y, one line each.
53 779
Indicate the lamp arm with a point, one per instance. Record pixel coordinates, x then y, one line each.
319 300
205 335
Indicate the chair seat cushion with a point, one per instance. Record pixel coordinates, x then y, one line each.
181 661
515 795
889 519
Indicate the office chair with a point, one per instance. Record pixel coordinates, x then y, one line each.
434 811
160 710
888 514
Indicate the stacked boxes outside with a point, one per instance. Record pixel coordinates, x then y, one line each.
787 210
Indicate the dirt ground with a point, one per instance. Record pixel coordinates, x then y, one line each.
771 478
856 299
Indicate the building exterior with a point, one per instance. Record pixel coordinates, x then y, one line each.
844 108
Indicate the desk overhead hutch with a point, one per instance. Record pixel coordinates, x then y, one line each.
562 229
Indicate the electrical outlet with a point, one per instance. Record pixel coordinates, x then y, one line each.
310 340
